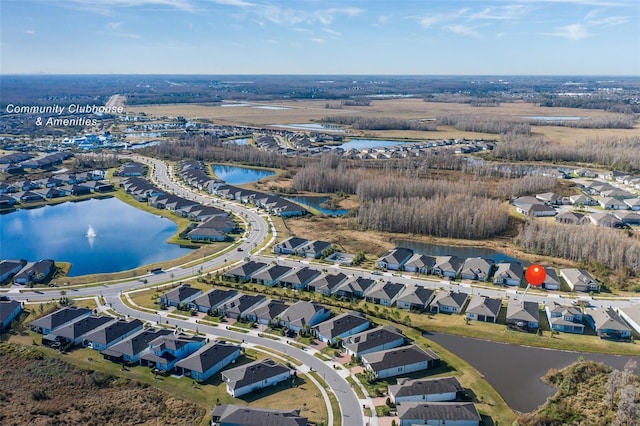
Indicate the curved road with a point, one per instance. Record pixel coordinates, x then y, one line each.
256 233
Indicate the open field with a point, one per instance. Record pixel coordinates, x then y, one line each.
412 108
203 396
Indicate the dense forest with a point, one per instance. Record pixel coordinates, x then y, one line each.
379 123
612 152
494 125
611 248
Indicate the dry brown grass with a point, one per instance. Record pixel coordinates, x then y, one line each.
312 110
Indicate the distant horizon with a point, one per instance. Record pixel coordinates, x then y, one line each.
311 75
329 37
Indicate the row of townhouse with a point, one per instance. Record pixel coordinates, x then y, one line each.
480 269
208 223
23 272
623 208
524 316
45 189
165 350
193 174
19 162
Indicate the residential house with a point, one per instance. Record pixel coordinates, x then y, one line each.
267 312
245 271
604 219
611 203
549 198
483 308
209 301
524 202
631 315
299 279
271 275
341 326
315 249
38 272
182 294
253 376
57 319
7 202
111 333
447 266
425 390
241 305
303 314
420 263
208 360
564 318
633 203
354 288
523 315
551 281
131 169
292 245
508 273
608 324
399 361
9 310
8 268
327 283
582 200
448 302
394 259
223 224
579 280
536 210
570 218
206 234
130 350
233 415
374 340
165 351
628 217
74 333
415 297
384 293
439 413
476 268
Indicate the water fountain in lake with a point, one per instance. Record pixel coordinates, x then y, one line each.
90 232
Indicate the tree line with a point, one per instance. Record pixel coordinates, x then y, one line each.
614 249
379 123
619 122
494 125
451 216
617 153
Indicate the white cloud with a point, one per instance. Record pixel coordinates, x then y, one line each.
29 32
104 6
429 20
464 30
317 40
331 31
501 13
572 32
596 18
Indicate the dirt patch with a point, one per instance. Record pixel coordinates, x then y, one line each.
37 390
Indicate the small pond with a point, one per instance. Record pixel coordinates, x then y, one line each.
234 175
316 203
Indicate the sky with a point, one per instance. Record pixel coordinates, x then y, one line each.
416 37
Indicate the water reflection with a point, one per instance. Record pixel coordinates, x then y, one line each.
125 238
316 203
234 175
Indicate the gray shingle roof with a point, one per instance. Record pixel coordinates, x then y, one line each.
208 356
253 372
340 324
372 338
407 387
442 411
254 416
397 357
59 317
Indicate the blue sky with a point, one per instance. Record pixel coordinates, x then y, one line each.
494 37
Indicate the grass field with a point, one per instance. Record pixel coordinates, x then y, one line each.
308 111
305 396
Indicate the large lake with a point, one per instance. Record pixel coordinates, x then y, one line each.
462 252
234 175
125 237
